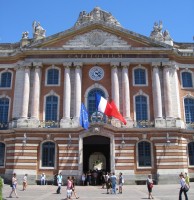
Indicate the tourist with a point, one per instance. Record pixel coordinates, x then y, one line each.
108 183
121 182
25 182
187 179
43 179
73 187
113 179
69 187
83 179
149 183
59 182
14 186
182 189
103 179
89 178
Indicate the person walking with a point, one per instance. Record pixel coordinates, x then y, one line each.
121 182
59 182
25 182
187 179
182 189
113 179
149 183
14 186
73 187
108 183
69 187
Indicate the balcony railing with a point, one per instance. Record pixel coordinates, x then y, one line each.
4 125
144 124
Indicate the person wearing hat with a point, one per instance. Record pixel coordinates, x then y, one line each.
182 183
43 179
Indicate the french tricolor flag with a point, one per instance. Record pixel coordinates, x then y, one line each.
109 109
102 105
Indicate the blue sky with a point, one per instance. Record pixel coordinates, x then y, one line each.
16 16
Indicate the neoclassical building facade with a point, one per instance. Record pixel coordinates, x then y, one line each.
44 80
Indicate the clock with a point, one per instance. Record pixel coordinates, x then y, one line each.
96 73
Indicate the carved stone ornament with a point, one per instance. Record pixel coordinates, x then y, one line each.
96 38
96 15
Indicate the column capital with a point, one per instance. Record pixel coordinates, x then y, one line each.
67 64
156 64
27 64
37 64
114 64
80 64
125 64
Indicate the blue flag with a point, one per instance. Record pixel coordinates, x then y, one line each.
84 117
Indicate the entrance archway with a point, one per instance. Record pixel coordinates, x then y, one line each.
96 149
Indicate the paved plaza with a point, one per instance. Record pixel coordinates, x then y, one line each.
134 192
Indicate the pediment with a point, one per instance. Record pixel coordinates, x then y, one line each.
97 36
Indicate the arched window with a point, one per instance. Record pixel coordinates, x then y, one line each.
189 110
92 112
6 79
187 79
144 154
2 154
48 154
140 76
141 108
53 77
51 108
4 108
191 153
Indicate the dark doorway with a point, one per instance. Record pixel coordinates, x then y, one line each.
93 144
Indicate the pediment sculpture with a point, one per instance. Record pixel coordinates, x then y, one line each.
96 38
96 15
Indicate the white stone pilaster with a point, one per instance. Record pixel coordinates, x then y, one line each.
36 92
115 84
78 88
125 91
26 93
66 121
167 96
157 95
18 92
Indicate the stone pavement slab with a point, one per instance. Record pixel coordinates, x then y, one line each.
133 192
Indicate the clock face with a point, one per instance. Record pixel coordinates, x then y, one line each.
96 73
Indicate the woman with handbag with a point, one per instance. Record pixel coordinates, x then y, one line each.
182 189
149 183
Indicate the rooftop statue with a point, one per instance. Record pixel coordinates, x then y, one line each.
25 35
157 31
38 31
157 34
96 15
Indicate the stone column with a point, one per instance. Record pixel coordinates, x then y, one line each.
125 91
36 92
167 96
26 94
115 84
157 96
78 89
18 92
66 121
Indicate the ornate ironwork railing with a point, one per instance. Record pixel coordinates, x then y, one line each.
144 124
